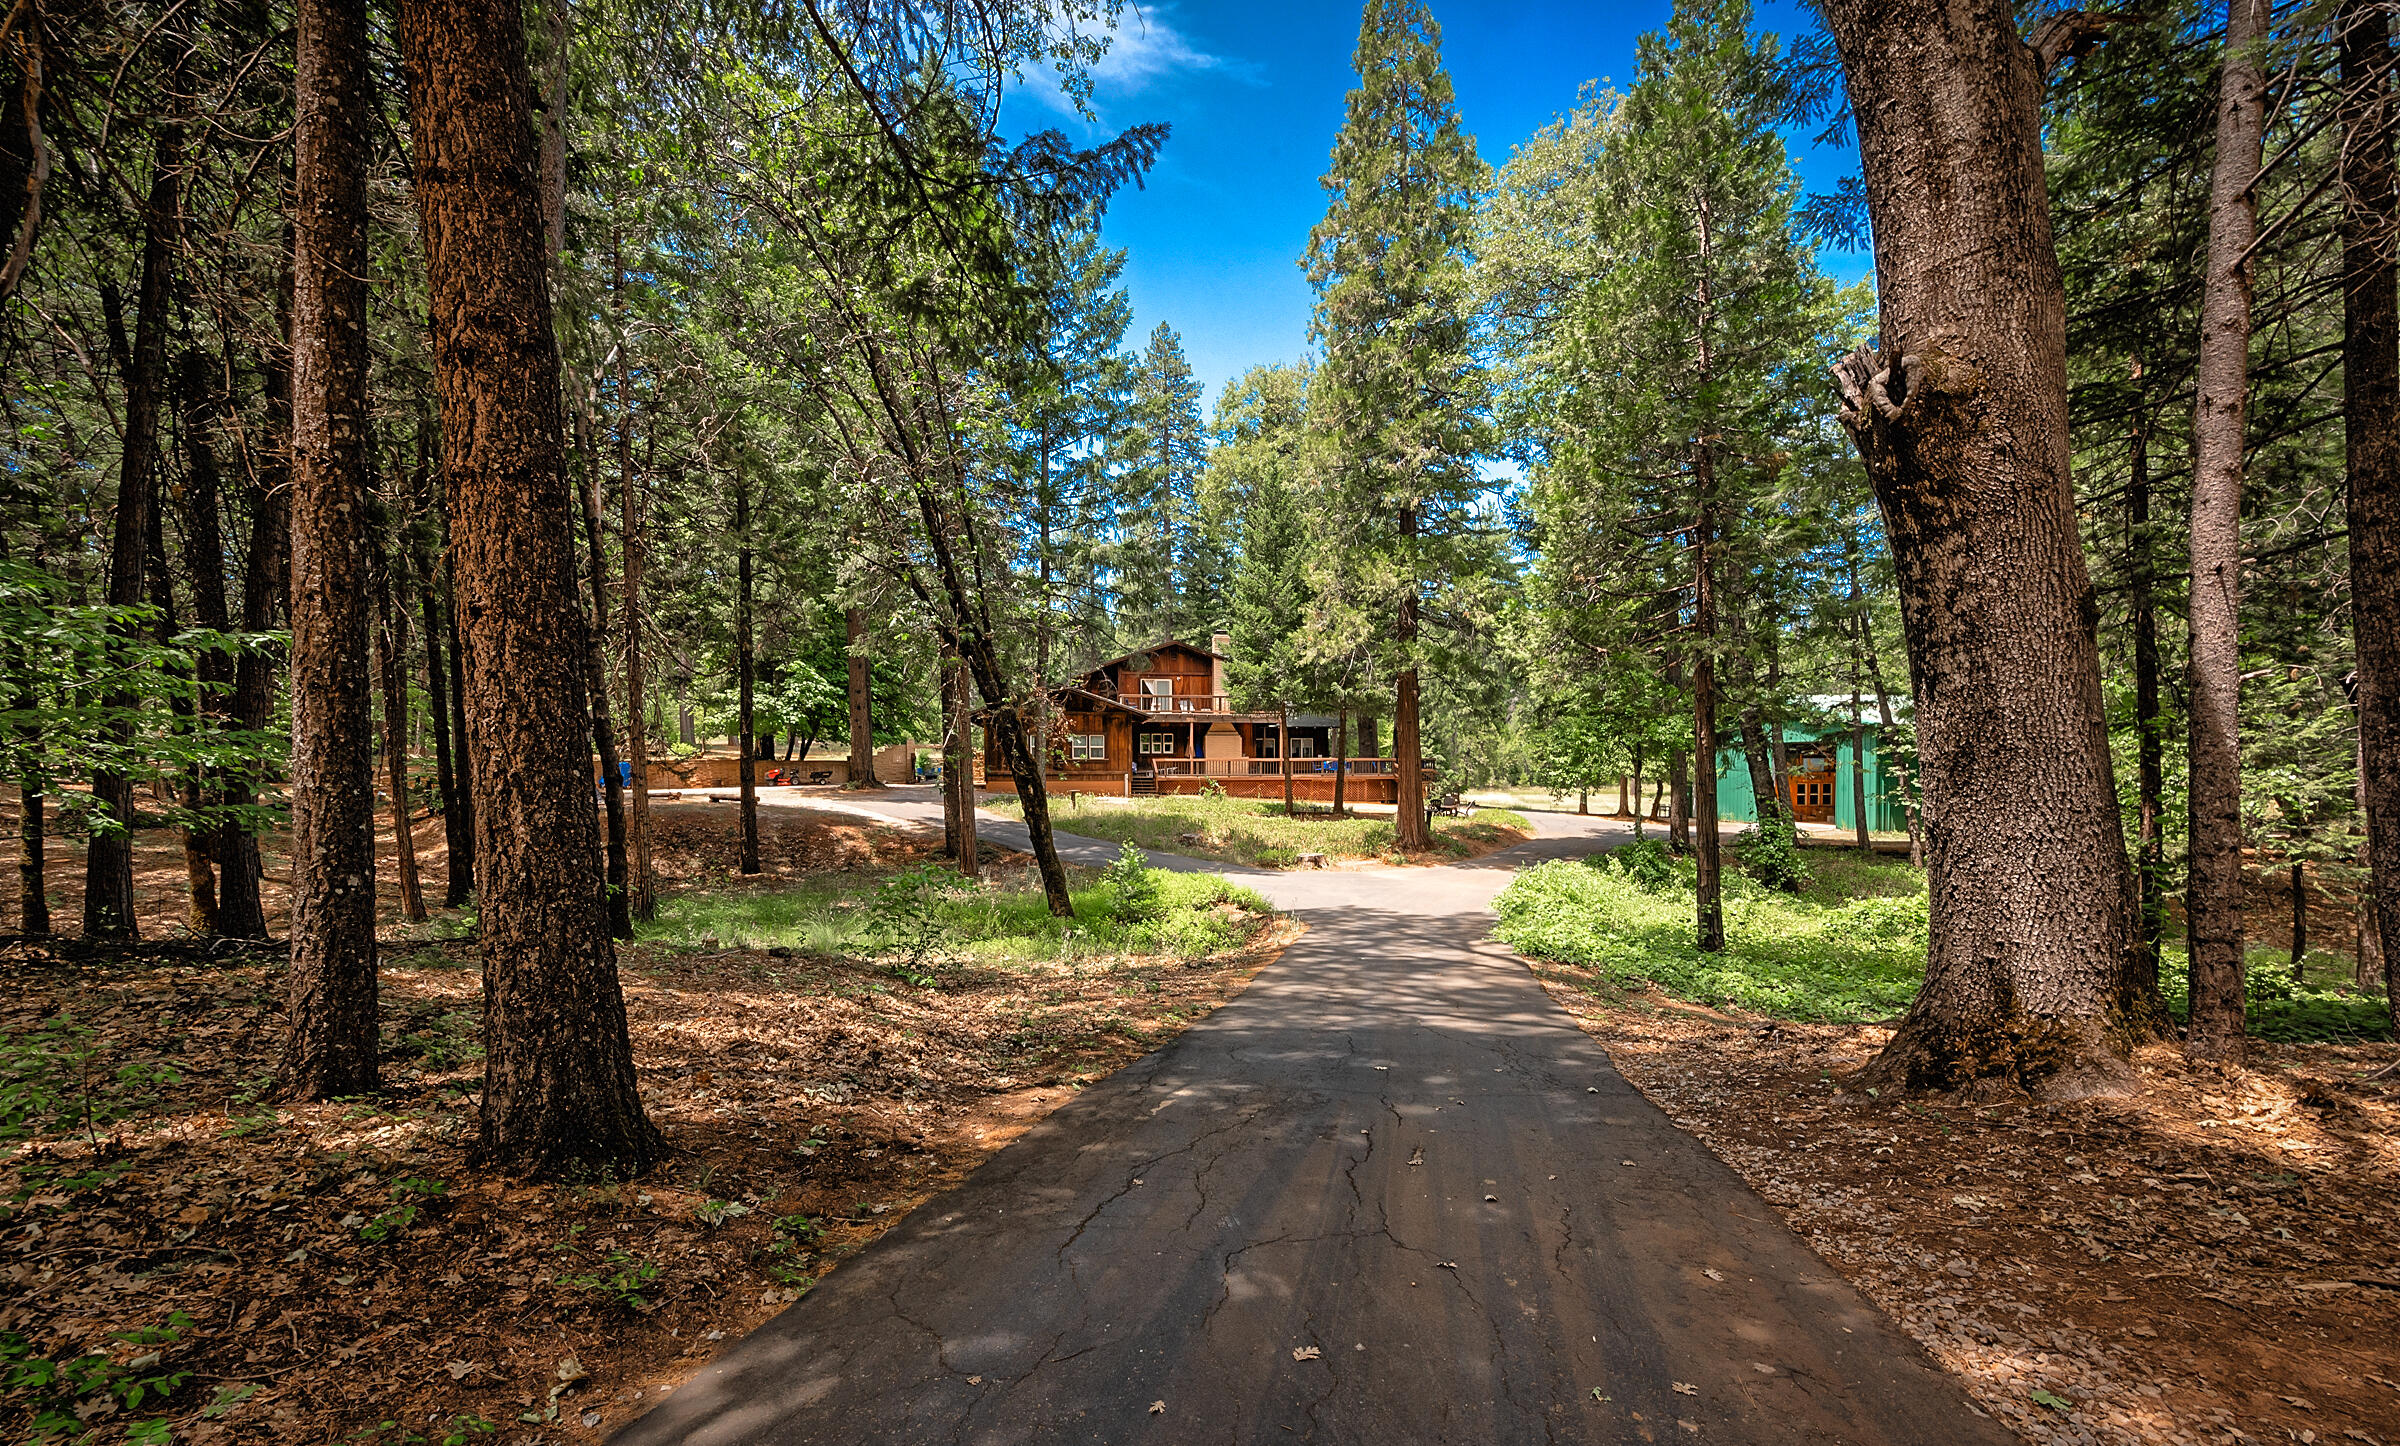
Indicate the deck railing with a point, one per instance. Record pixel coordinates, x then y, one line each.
1263 767
1178 702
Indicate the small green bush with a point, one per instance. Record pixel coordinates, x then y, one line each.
1646 861
1133 890
1770 853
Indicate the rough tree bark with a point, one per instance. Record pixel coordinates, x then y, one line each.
862 703
559 1091
330 1046
108 859
1961 420
2371 382
2212 905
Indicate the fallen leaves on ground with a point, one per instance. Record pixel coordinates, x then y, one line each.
2209 1261
345 1265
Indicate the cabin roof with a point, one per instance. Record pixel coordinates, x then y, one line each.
1157 647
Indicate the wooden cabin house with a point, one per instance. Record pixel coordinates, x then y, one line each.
1162 720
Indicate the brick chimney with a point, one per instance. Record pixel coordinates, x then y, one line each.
1222 645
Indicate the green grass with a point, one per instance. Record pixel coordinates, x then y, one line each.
1849 949
1200 915
1820 956
1255 831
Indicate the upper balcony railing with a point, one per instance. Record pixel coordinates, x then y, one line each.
1180 702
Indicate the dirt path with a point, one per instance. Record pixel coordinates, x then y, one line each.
1391 1193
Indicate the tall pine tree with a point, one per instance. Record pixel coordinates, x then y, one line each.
1396 409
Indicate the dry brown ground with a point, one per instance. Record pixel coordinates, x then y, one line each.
788 1086
2211 1261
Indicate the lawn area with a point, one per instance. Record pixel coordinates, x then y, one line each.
1256 831
924 920
1850 948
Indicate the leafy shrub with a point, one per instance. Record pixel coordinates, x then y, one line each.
1770 854
1646 861
1133 888
906 915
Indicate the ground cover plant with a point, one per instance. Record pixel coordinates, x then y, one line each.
185 1261
1257 833
1849 947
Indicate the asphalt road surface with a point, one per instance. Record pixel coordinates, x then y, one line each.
1389 1194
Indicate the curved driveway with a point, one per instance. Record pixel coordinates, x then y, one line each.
1389 1194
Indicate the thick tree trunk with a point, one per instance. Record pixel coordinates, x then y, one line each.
2212 906
559 1090
391 648
746 680
862 703
631 522
330 1049
108 859
2371 383
1414 827
604 732
1961 420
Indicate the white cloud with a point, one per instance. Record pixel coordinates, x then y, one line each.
1144 50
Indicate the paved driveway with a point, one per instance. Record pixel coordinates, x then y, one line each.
1390 1194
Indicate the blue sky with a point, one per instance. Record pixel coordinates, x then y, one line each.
1254 90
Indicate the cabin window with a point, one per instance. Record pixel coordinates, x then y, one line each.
1304 747
1158 688
1087 747
1157 743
